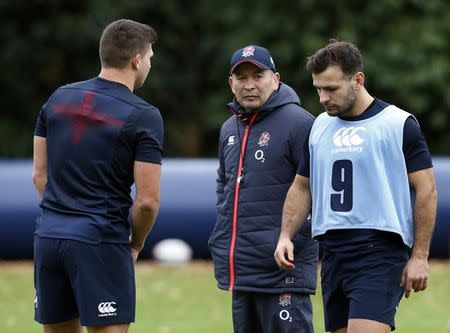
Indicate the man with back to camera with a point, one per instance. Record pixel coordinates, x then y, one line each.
365 155
93 139
259 153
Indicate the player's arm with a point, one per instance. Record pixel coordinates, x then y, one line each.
146 203
424 183
415 274
40 163
295 211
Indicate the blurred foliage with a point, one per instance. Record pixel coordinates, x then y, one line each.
48 43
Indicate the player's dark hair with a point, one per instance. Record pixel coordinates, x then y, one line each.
122 39
343 54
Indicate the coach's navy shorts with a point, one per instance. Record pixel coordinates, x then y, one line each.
272 313
75 279
363 282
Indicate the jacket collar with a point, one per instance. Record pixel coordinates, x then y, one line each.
282 96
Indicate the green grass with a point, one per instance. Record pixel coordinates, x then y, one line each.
185 299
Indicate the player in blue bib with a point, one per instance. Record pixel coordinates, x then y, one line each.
93 139
368 182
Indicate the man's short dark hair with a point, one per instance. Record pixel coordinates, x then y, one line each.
343 54
122 39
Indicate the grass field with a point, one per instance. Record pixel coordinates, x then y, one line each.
186 300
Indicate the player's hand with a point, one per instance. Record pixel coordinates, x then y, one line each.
135 248
134 254
284 254
415 275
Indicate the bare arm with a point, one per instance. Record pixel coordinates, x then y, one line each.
146 204
295 211
40 163
415 274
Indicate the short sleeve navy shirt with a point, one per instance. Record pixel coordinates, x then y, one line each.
95 130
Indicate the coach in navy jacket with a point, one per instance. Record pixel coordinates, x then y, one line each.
260 150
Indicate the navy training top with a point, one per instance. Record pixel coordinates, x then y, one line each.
95 130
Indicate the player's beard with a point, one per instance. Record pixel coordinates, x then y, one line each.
346 107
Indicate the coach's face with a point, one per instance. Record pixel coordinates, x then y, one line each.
252 86
338 92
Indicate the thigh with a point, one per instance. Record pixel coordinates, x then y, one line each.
117 328
102 277
70 326
335 303
244 315
375 292
54 301
284 313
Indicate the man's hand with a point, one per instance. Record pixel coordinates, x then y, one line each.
284 254
295 211
415 275
134 254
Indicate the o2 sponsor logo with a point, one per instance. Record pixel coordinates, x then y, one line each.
285 315
259 155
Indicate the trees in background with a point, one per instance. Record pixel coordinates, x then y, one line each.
50 43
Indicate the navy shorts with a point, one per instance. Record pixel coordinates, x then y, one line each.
272 313
363 283
75 279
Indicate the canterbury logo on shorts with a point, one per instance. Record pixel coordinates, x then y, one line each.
107 309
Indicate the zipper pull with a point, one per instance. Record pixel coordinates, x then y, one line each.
240 179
